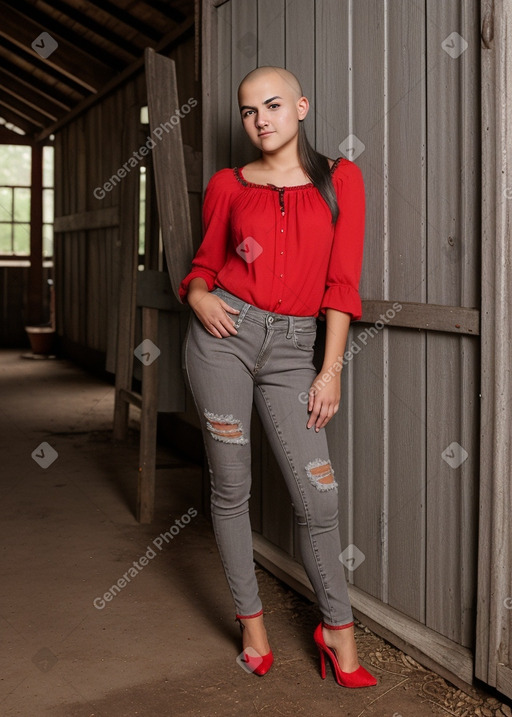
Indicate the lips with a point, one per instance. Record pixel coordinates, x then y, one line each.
265 134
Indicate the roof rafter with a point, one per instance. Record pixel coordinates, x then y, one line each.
62 33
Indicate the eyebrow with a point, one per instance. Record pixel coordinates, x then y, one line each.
247 107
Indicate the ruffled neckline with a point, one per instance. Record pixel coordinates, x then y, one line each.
240 177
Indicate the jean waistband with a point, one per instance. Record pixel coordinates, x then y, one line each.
265 318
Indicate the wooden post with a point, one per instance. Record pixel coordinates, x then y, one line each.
35 280
129 238
148 423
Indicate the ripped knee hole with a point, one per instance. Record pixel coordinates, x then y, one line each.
225 428
321 474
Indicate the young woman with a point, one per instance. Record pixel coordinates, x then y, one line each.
283 243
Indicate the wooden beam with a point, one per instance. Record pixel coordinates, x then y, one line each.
126 18
430 317
35 85
35 274
148 423
26 96
169 167
128 258
64 33
131 397
22 110
115 82
13 118
95 27
82 221
21 54
68 60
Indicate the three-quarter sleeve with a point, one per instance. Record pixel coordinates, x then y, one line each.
211 255
345 263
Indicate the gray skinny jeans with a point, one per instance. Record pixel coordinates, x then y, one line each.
270 361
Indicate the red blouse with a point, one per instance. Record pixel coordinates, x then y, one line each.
276 247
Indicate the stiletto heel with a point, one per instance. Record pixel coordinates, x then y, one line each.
357 678
322 663
256 663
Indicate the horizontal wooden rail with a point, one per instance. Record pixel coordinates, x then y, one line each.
94 219
429 317
131 397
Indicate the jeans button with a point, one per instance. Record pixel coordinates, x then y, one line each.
270 319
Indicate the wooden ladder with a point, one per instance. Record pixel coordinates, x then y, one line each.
155 292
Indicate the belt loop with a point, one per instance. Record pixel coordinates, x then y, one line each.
290 327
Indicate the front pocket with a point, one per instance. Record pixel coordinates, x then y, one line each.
304 339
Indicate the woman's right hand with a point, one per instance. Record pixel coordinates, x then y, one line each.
211 310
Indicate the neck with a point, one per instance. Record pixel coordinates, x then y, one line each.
283 159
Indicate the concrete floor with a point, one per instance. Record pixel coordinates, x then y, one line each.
166 644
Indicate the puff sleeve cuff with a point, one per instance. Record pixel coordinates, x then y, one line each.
343 298
211 255
345 263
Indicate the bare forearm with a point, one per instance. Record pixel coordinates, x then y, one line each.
336 333
196 290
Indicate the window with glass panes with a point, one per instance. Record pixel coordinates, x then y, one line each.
15 167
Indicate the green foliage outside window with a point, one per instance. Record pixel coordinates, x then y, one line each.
15 168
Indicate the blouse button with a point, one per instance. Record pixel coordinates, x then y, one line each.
282 230
281 276
282 252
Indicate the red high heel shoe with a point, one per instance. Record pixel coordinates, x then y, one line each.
259 664
357 678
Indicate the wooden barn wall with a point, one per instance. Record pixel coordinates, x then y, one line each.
379 71
88 151
14 282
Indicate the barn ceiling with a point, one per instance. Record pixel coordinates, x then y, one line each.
56 55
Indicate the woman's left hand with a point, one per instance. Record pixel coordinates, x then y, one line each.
324 401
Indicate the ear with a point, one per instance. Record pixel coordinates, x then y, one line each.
302 108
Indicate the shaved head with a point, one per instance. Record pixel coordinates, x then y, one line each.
268 73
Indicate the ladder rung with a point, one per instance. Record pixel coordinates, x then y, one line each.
131 397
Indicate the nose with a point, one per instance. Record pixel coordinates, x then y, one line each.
261 120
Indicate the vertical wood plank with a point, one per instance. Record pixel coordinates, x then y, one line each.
128 232
365 41
300 55
244 58
403 126
148 424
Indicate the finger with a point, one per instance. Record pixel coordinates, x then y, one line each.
228 325
323 418
229 308
313 417
221 328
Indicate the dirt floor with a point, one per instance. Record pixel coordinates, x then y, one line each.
166 643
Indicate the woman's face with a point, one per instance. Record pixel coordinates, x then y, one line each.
270 111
